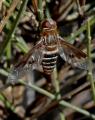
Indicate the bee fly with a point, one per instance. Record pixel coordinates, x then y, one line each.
46 51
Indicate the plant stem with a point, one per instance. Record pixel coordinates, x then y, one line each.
57 89
79 31
62 116
6 102
40 10
8 38
47 12
90 75
40 90
8 50
62 102
55 82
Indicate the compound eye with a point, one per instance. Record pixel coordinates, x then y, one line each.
46 25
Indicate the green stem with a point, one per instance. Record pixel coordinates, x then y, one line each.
40 10
62 116
55 83
90 75
62 102
6 102
79 31
8 38
57 88
8 50
40 90
47 12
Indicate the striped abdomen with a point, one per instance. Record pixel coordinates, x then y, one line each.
49 60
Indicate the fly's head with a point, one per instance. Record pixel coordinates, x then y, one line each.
48 25
49 32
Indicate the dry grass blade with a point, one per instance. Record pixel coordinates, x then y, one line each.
8 14
35 6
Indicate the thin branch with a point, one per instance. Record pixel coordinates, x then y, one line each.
62 102
90 75
57 89
55 83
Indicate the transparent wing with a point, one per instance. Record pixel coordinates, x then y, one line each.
26 64
72 55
